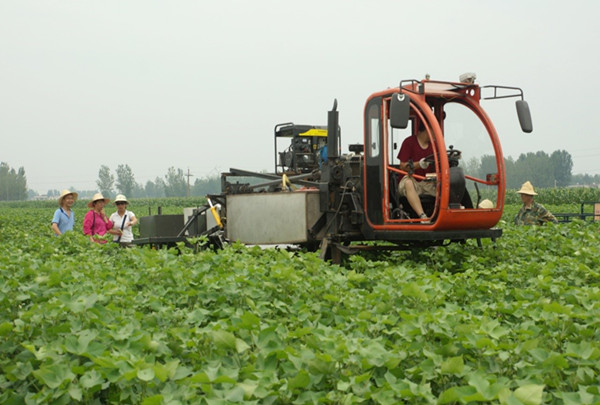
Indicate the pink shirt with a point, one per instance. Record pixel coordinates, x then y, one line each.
93 224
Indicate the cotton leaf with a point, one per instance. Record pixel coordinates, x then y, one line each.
75 392
145 374
241 346
530 394
54 375
223 339
301 380
153 400
453 365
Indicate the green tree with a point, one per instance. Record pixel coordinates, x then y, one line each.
535 167
208 185
488 166
175 184
138 191
585 180
511 177
13 184
21 184
155 189
31 194
471 166
125 180
563 164
541 169
105 181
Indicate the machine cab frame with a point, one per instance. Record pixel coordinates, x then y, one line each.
454 206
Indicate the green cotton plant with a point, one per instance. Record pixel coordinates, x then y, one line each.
515 322
558 195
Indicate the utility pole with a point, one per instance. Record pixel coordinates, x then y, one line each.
188 175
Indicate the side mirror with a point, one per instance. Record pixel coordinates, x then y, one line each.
399 110
524 116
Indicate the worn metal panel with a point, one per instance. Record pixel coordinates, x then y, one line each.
200 223
160 225
203 222
272 218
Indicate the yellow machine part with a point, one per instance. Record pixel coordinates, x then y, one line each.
314 132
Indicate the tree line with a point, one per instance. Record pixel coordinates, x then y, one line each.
174 184
541 169
13 183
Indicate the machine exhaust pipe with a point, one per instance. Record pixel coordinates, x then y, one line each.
332 133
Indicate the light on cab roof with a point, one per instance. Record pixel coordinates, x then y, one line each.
468 77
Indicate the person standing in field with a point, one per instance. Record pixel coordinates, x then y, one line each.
95 222
64 217
123 220
532 213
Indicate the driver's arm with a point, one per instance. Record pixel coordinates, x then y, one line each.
404 166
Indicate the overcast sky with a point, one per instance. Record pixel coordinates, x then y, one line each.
200 85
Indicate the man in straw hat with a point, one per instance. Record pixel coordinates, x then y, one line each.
532 213
95 222
64 217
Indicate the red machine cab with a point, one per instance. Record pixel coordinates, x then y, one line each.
457 128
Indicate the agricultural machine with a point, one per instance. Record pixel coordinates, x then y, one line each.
320 198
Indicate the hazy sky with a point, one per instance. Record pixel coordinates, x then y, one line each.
200 85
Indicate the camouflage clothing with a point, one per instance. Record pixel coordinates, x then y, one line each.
537 214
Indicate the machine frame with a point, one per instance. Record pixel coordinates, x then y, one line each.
351 198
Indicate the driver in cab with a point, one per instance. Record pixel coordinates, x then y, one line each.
413 152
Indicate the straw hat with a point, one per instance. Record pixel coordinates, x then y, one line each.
121 198
97 197
486 204
527 188
65 193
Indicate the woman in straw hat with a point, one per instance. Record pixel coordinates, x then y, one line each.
95 222
123 220
532 213
64 217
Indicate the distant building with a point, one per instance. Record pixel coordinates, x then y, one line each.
42 197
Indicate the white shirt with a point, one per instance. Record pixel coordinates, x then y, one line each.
117 220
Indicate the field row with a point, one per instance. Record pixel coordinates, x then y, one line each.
516 323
